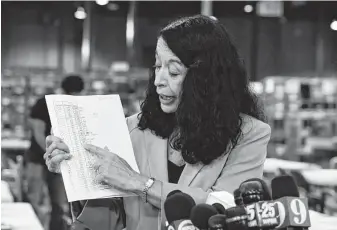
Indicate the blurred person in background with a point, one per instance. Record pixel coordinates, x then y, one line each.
37 171
200 130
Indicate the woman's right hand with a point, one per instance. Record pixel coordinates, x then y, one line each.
56 152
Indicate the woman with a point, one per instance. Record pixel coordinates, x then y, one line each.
199 129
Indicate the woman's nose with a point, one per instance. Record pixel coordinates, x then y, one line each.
160 79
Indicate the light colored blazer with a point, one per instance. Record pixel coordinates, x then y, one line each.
244 161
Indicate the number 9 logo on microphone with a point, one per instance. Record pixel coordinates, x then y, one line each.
299 210
293 212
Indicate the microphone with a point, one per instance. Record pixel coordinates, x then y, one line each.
254 190
200 215
219 208
173 192
255 195
177 208
236 218
284 186
237 197
293 210
217 222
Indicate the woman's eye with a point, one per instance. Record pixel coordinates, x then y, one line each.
174 74
157 67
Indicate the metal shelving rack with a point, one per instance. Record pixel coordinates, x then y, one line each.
20 88
302 113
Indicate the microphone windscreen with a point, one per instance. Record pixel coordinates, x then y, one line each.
178 207
236 218
237 193
236 211
258 185
173 192
217 222
200 215
220 208
237 197
284 186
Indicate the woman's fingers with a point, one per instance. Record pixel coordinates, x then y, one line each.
102 179
51 138
96 166
57 144
123 161
110 169
100 169
102 153
54 153
54 162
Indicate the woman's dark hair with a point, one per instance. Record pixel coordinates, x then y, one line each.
215 92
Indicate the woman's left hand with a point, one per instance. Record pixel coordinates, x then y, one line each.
114 170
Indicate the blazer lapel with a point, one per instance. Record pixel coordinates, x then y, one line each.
189 173
156 148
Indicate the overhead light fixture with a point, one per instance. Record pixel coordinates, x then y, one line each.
102 2
248 8
80 13
113 6
214 18
333 25
298 3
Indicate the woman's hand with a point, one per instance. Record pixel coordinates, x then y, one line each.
114 170
56 152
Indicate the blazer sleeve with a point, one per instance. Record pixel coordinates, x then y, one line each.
101 214
245 161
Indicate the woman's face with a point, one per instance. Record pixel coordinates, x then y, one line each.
170 73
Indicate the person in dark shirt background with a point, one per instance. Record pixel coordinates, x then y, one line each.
37 171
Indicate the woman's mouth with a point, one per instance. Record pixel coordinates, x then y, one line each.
166 99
